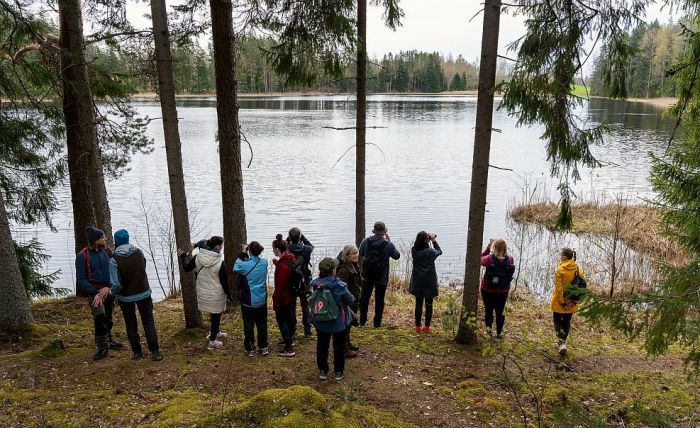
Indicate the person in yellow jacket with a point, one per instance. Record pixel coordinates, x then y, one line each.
562 308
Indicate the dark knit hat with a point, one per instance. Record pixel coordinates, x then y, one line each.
93 234
121 237
379 227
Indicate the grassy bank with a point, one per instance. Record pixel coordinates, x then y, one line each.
399 379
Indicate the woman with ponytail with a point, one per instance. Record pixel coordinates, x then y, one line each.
563 309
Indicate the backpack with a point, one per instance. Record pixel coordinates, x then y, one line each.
86 255
373 265
576 289
499 274
296 283
322 306
303 266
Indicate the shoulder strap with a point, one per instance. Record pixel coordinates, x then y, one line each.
251 269
86 256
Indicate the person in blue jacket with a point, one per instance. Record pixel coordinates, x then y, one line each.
253 271
337 328
92 269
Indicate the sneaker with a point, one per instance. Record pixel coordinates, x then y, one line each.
339 376
101 354
286 353
221 335
323 375
137 355
250 353
115 345
416 328
215 344
562 349
353 347
426 329
157 356
349 353
499 336
264 351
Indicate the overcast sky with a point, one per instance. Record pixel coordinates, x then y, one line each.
429 25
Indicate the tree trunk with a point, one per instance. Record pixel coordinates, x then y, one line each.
229 132
361 122
15 311
87 184
480 172
176 179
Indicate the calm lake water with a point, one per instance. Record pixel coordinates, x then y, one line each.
418 172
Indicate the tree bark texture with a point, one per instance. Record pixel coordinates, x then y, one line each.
480 172
15 310
173 151
361 122
87 184
229 133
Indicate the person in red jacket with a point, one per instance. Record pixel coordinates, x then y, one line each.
283 301
495 284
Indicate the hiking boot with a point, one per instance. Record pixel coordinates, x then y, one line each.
353 347
215 344
323 375
101 354
115 345
426 329
157 356
264 351
286 353
137 355
416 328
339 376
350 353
562 349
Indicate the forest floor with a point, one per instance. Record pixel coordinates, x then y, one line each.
399 379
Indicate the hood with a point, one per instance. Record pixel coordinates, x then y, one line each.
330 282
125 250
568 265
208 258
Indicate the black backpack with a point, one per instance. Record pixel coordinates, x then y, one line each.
373 263
499 274
296 284
577 289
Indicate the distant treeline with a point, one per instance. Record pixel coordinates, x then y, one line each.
410 71
655 48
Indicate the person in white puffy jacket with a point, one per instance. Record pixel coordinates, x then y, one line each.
212 285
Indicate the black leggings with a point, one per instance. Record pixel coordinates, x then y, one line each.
494 302
215 326
562 324
428 309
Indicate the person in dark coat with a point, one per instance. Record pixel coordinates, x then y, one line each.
130 286
302 249
92 271
424 280
350 273
379 242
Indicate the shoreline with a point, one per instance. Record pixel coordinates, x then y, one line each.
153 95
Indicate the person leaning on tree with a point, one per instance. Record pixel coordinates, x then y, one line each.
92 271
130 286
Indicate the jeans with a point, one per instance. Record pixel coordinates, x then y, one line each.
367 288
285 321
215 327
102 319
494 302
419 309
145 308
254 319
562 325
322 345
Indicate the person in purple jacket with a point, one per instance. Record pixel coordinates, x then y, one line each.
495 284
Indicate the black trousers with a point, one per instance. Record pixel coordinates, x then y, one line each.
145 308
254 319
322 345
494 302
419 309
562 325
285 321
304 314
103 322
367 288
215 326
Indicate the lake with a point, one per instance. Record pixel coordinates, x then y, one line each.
418 172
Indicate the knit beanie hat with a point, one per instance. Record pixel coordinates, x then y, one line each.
121 237
93 234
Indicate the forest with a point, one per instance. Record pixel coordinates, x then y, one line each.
599 349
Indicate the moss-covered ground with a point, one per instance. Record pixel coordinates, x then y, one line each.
48 377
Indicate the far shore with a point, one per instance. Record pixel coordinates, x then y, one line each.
663 102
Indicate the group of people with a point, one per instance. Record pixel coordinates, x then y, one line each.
333 303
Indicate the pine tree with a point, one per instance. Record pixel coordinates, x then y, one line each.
456 84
